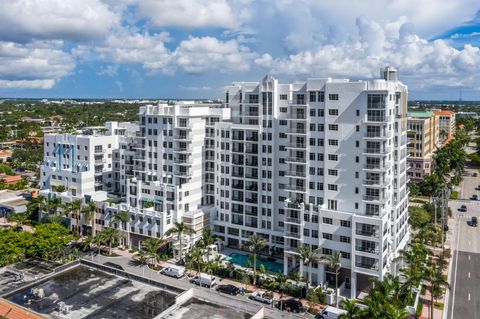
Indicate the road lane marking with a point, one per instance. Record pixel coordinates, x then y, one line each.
468 257
468 296
468 274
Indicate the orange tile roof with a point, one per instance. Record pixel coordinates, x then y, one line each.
11 179
443 112
5 153
12 311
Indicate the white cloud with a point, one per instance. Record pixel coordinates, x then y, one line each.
129 47
27 84
422 63
38 64
22 20
109 70
195 88
197 55
188 13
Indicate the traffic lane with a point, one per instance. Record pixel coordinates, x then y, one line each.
467 292
469 184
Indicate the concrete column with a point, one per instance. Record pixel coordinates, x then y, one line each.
353 285
301 268
321 273
285 264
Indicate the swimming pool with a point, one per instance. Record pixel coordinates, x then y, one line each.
241 260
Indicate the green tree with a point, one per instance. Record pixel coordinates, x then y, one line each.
122 219
207 241
308 257
109 236
350 306
255 245
179 229
333 262
195 259
152 245
88 212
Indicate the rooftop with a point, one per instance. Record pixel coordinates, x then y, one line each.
84 292
10 310
420 114
444 112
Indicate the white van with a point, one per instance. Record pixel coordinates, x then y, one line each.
330 313
204 280
173 272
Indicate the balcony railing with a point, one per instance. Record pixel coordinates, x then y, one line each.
297 131
361 232
367 265
296 145
369 250
292 187
293 220
373 198
296 173
291 234
379 135
298 116
296 160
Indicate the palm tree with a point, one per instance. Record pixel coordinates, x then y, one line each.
308 257
179 229
122 218
255 245
109 236
353 312
142 256
333 262
207 240
75 207
195 259
438 282
151 246
88 212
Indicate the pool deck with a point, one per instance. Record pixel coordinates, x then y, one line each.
226 252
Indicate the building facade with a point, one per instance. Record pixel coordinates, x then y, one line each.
320 163
423 140
446 125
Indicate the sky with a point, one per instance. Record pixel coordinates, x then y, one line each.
192 49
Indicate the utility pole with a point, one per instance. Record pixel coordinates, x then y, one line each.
435 210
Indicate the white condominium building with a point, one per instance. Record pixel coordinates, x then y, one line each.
81 163
173 169
319 163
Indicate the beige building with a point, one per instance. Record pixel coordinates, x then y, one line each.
423 140
446 125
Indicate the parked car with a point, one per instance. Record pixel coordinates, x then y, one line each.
291 304
18 228
173 272
474 197
229 289
474 174
330 313
463 208
204 280
474 221
477 188
265 297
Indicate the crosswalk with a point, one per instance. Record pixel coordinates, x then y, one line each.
466 202
463 217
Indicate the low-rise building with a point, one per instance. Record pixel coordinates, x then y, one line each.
5 156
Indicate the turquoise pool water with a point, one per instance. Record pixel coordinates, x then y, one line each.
241 260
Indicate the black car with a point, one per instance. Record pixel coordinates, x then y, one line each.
229 289
463 208
474 197
474 221
18 228
292 305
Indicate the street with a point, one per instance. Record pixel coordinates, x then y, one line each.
464 300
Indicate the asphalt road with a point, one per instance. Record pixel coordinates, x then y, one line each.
464 301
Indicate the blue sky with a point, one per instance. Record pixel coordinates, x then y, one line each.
191 49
